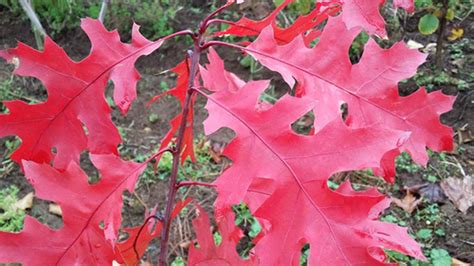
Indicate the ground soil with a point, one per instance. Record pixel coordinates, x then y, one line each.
143 136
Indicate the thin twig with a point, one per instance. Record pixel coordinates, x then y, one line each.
194 183
103 10
26 5
140 200
440 41
204 23
38 29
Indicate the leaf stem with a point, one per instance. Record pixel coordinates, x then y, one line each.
194 183
440 40
173 188
231 45
103 10
135 241
216 21
204 24
159 153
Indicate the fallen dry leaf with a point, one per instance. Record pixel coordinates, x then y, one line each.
25 203
465 135
215 150
456 33
185 244
456 262
55 209
414 45
408 203
432 192
430 48
459 191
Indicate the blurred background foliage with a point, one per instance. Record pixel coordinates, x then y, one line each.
58 16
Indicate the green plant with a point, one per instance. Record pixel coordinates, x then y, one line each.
357 47
62 15
430 222
245 220
153 16
297 7
438 14
11 217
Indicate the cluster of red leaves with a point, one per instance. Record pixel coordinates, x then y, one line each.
280 174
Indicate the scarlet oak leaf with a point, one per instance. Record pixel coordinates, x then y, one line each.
408 5
180 91
366 14
304 24
308 211
75 96
126 253
215 77
81 241
369 88
208 252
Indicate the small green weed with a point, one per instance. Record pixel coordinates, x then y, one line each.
250 225
8 165
431 221
432 80
178 261
153 16
11 217
438 167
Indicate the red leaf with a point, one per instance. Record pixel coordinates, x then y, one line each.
366 14
215 77
180 91
326 74
304 24
84 207
408 5
223 254
75 96
125 249
264 147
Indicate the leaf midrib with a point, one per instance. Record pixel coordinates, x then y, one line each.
290 169
106 70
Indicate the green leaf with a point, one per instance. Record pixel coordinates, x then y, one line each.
428 24
440 232
255 229
217 238
440 257
449 14
424 233
179 261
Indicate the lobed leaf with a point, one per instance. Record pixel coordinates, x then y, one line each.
85 208
366 14
326 75
304 25
283 177
208 252
180 91
75 116
130 250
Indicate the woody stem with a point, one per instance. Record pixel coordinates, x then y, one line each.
173 187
